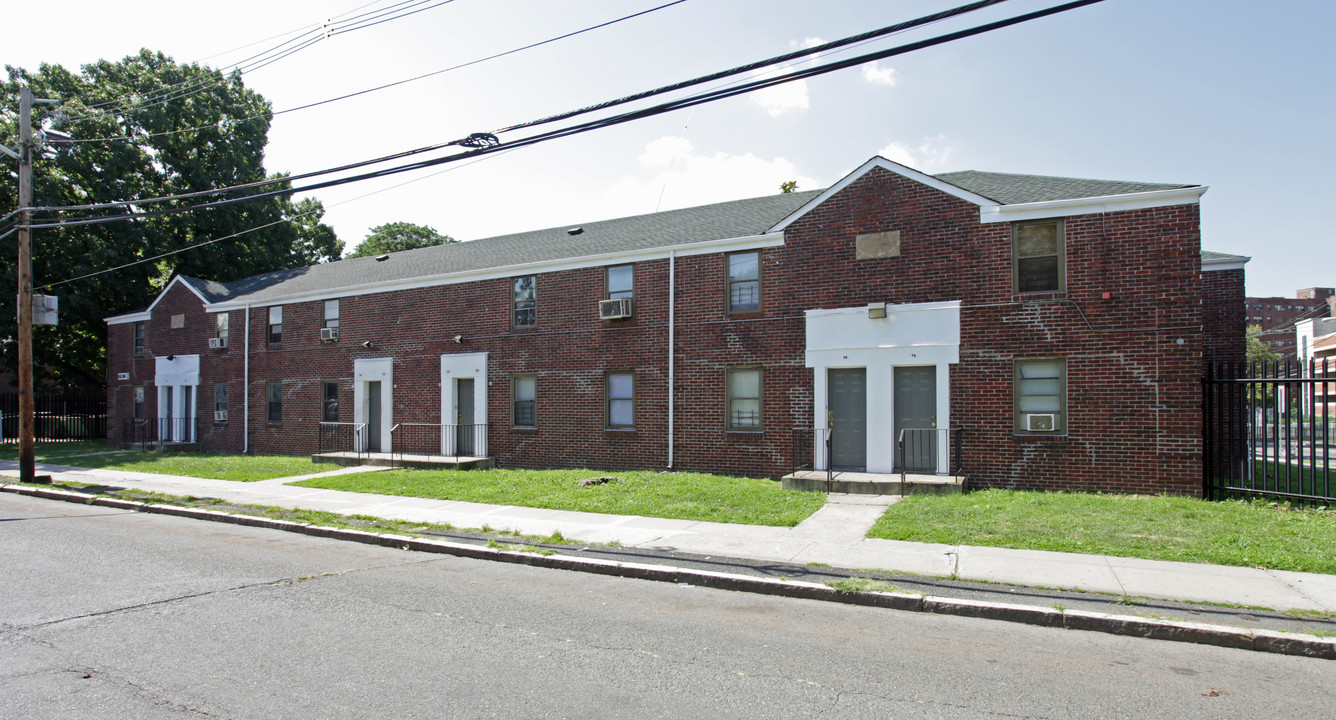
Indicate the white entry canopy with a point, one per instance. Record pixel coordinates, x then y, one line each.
176 370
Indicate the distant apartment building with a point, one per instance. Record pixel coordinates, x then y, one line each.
1277 316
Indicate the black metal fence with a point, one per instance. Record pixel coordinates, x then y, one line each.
60 416
434 440
1268 431
149 433
919 450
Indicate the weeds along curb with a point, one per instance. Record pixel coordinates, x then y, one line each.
1255 639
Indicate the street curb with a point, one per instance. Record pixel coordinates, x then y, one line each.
1255 639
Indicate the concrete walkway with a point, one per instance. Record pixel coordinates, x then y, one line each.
834 536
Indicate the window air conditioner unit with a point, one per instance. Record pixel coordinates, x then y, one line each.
1040 422
218 342
220 416
329 334
614 309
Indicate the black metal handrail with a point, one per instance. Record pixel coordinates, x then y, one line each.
341 437
438 440
918 450
147 433
804 451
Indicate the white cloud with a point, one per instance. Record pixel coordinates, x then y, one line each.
790 96
684 178
781 99
929 156
877 75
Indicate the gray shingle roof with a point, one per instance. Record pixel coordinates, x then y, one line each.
739 218
1010 189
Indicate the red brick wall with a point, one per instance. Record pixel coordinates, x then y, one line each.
1133 357
1223 316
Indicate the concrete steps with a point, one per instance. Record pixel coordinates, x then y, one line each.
861 483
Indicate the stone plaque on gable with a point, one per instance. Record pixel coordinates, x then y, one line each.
878 245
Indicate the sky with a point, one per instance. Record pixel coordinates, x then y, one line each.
1233 94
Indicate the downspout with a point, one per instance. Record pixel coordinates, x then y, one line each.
672 315
245 389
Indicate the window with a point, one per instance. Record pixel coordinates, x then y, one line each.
744 399
621 282
1039 257
139 402
331 314
329 404
275 402
621 400
220 321
276 324
744 281
1041 395
139 338
522 391
220 402
525 301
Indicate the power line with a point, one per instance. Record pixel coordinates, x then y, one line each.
606 122
187 88
888 30
396 83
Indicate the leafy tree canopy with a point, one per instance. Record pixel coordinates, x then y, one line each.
396 236
1257 350
173 129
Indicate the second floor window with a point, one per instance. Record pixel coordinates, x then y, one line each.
621 282
331 314
220 326
744 281
525 301
139 338
276 324
1038 258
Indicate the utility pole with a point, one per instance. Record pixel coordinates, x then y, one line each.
27 454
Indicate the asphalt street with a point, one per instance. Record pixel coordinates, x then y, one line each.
114 614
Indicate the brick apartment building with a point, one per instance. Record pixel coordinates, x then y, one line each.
1060 325
1277 316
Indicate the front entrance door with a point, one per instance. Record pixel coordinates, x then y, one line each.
464 432
373 416
916 414
848 418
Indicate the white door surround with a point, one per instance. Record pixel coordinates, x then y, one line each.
453 368
365 372
177 379
915 334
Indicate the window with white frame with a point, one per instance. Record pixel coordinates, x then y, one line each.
220 323
1041 395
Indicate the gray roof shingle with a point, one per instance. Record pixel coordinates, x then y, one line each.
738 218
1010 189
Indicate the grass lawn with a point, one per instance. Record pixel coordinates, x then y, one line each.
242 468
10 450
685 496
1235 532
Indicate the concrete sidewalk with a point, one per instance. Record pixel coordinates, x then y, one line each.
832 536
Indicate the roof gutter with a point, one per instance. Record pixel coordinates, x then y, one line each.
1091 205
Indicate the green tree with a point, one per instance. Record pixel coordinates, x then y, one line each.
172 129
397 236
788 186
1256 349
